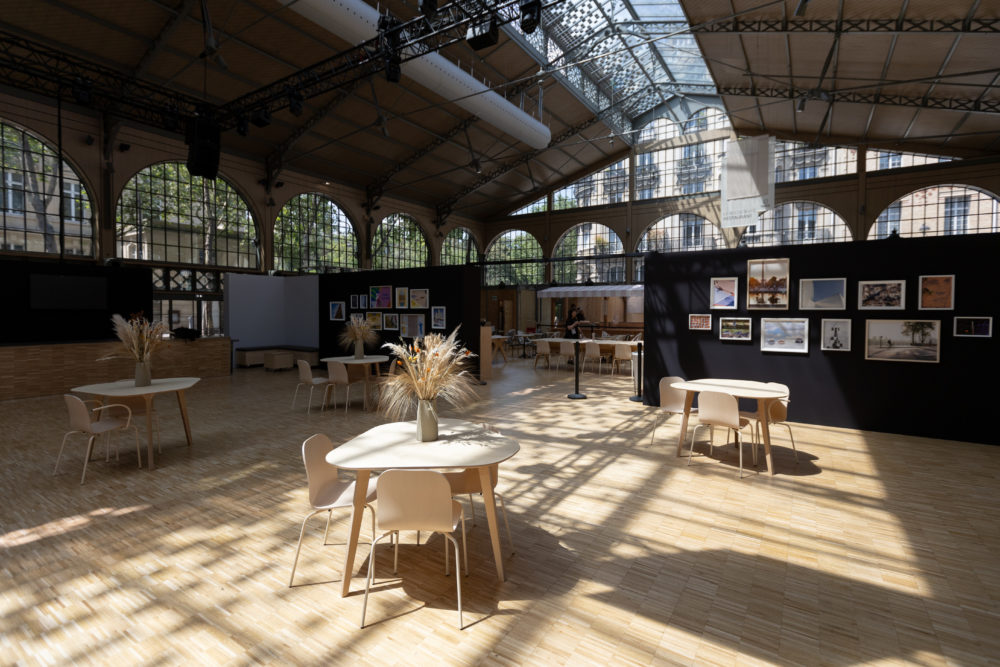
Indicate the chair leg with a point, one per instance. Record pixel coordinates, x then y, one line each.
792 438
739 443
296 394
656 419
138 449
329 516
458 580
693 434
310 403
472 510
90 449
368 579
465 552
298 547
55 471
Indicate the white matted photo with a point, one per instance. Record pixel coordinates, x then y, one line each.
974 327
903 340
835 335
700 322
936 293
784 334
735 328
722 293
767 284
823 294
881 294
438 320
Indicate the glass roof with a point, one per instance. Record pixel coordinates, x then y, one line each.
623 58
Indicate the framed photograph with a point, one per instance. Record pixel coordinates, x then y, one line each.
937 293
784 334
337 311
835 335
375 320
411 326
390 321
735 328
438 320
903 340
380 296
363 301
419 298
767 284
722 293
402 298
881 294
823 294
974 327
354 302
700 322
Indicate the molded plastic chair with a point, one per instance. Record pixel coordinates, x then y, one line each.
671 401
109 418
306 379
467 482
417 500
327 491
542 350
592 352
340 377
718 409
567 350
777 415
623 354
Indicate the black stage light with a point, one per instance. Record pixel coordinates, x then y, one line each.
428 8
204 145
531 15
260 117
393 67
483 32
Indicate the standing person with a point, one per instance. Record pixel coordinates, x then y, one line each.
573 321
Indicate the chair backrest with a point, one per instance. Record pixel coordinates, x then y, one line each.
338 372
672 400
319 473
541 347
566 348
778 411
719 409
623 351
414 500
592 349
305 371
79 414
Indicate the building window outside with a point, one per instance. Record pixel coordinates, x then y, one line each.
678 232
581 255
13 192
188 298
312 233
805 223
956 214
795 223
940 210
888 160
888 221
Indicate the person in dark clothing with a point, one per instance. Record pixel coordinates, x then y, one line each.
575 318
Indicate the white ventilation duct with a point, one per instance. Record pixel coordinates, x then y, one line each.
357 22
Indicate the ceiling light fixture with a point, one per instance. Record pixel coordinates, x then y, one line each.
531 15
801 106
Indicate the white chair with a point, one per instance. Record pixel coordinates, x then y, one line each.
340 377
327 491
592 352
306 379
101 420
467 482
718 409
567 350
542 350
671 401
777 415
417 500
623 354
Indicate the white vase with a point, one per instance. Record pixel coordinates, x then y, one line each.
427 421
143 375
359 349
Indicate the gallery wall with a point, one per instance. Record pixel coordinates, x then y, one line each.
951 398
271 310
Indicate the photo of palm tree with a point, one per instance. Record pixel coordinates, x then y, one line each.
767 284
903 340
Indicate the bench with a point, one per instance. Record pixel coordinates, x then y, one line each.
257 356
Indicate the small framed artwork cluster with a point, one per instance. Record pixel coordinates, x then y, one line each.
385 298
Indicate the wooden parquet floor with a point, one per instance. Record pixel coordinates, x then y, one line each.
873 549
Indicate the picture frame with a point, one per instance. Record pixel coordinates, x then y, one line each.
402 298
380 296
823 294
700 322
363 301
354 302
835 335
767 284
972 326
375 320
723 293
419 298
411 325
390 321
338 313
784 334
910 340
438 319
881 294
735 328
937 292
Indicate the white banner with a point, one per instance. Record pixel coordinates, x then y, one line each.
747 180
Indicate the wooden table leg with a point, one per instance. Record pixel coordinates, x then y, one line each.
357 514
489 502
184 417
150 461
762 409
688 400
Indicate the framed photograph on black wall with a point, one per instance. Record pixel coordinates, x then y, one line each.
835 335
767 284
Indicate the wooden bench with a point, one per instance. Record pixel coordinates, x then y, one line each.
279 360
257 356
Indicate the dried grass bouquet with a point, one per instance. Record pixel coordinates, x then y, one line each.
139 336
357 329
430 368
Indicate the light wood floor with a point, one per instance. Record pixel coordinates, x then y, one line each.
874 549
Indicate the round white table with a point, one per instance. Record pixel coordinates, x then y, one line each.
369 361
763 392
460 444
122 388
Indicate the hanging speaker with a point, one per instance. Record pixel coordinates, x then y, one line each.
203 140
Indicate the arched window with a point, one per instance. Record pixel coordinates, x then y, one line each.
31 199
940 210
677 233
459 247
798 161
796 223
876 160
312 233
168 216
399 244
582 255
514 258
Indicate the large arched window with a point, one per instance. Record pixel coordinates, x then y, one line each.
582 255
399 244
514 258
312 233
31 199
168 216
677 233
459 247
940 210
796 223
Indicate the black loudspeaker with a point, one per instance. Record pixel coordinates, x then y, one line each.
203 140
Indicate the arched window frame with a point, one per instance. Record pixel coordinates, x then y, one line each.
680 232
940 210
325 237
514 257
588 252
796 223
394 244
459 247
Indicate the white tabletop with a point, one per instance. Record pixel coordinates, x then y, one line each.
460 444
367 359
128 388
740 388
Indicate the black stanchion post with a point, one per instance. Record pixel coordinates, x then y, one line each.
576 370
638 369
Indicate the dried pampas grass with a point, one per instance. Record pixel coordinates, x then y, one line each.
357 329
139 336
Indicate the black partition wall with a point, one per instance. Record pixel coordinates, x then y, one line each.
949 399
454 288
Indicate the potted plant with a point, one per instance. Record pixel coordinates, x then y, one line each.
140 337
358 332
